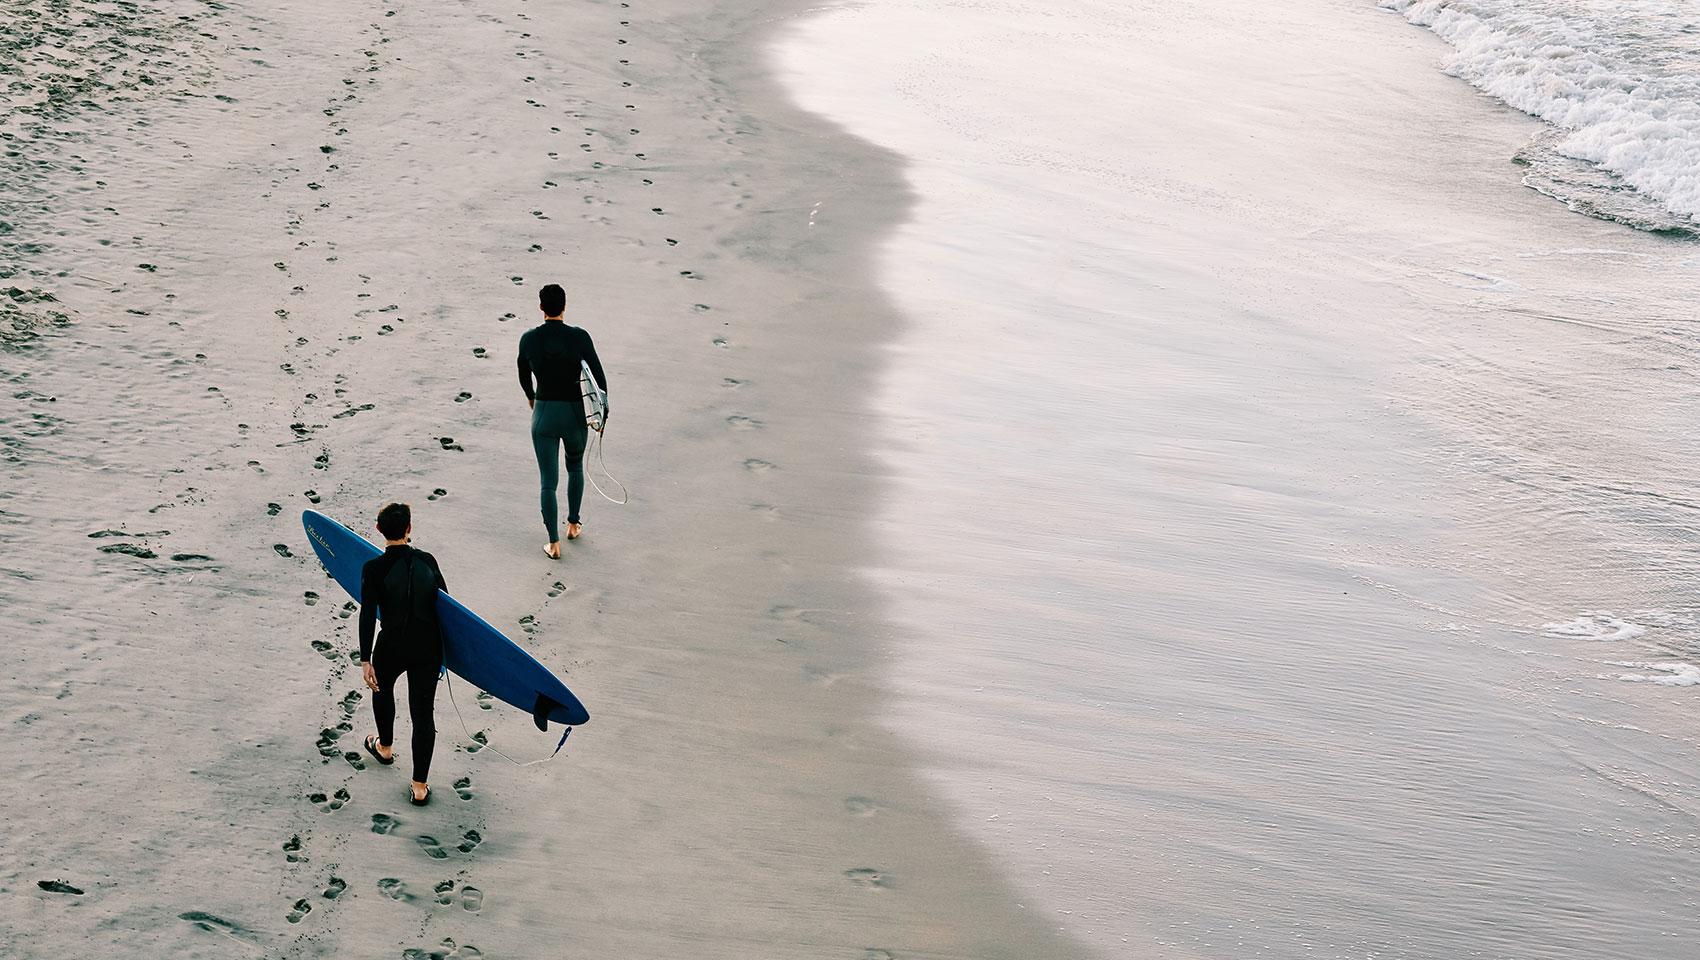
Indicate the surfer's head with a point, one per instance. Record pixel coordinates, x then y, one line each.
394 521
552 299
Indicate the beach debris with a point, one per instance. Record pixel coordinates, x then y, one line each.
58 886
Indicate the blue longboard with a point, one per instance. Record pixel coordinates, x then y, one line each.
474 650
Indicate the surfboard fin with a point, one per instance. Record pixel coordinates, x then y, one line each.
540 712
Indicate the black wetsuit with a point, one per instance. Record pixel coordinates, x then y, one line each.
401 586
552 352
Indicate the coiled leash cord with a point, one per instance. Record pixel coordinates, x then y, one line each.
482 745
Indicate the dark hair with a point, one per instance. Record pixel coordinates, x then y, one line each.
394 520
552 299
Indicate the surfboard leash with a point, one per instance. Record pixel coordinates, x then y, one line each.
604 465
482 745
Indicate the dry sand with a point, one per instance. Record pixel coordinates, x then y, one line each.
302 286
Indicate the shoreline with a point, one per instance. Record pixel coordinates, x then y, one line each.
736 783
1312 399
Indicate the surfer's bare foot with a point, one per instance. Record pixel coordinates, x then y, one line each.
573 531
552 550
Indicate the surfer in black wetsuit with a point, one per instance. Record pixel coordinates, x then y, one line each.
552 352
401 584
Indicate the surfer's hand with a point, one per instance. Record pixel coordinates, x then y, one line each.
370 675
531 402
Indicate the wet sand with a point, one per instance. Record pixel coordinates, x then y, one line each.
301 286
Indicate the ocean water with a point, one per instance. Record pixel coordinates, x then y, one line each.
1290 514
1618 81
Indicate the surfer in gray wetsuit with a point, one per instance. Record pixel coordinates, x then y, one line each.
401 585
552 353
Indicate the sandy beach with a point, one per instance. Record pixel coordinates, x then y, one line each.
1160 481
297 282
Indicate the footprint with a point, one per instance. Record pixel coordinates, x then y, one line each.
302 908
471 898
480 353
309 597
485 700
448 951
354 760
463 788
384 823
334 888
438 494
216 924
292 850
432 848
348 609
130 549
758 466
312 496
480 740
282 550
327 742
462 397
868 877
527 623
449 443
744 423
325 649
445 892
351 702
558 589
470 840
393 888
862 806
273 509
332 802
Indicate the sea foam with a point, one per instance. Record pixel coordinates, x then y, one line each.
1617 82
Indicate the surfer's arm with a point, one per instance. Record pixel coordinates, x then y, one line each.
370 590
525 380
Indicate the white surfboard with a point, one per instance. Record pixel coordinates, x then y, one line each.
595 399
